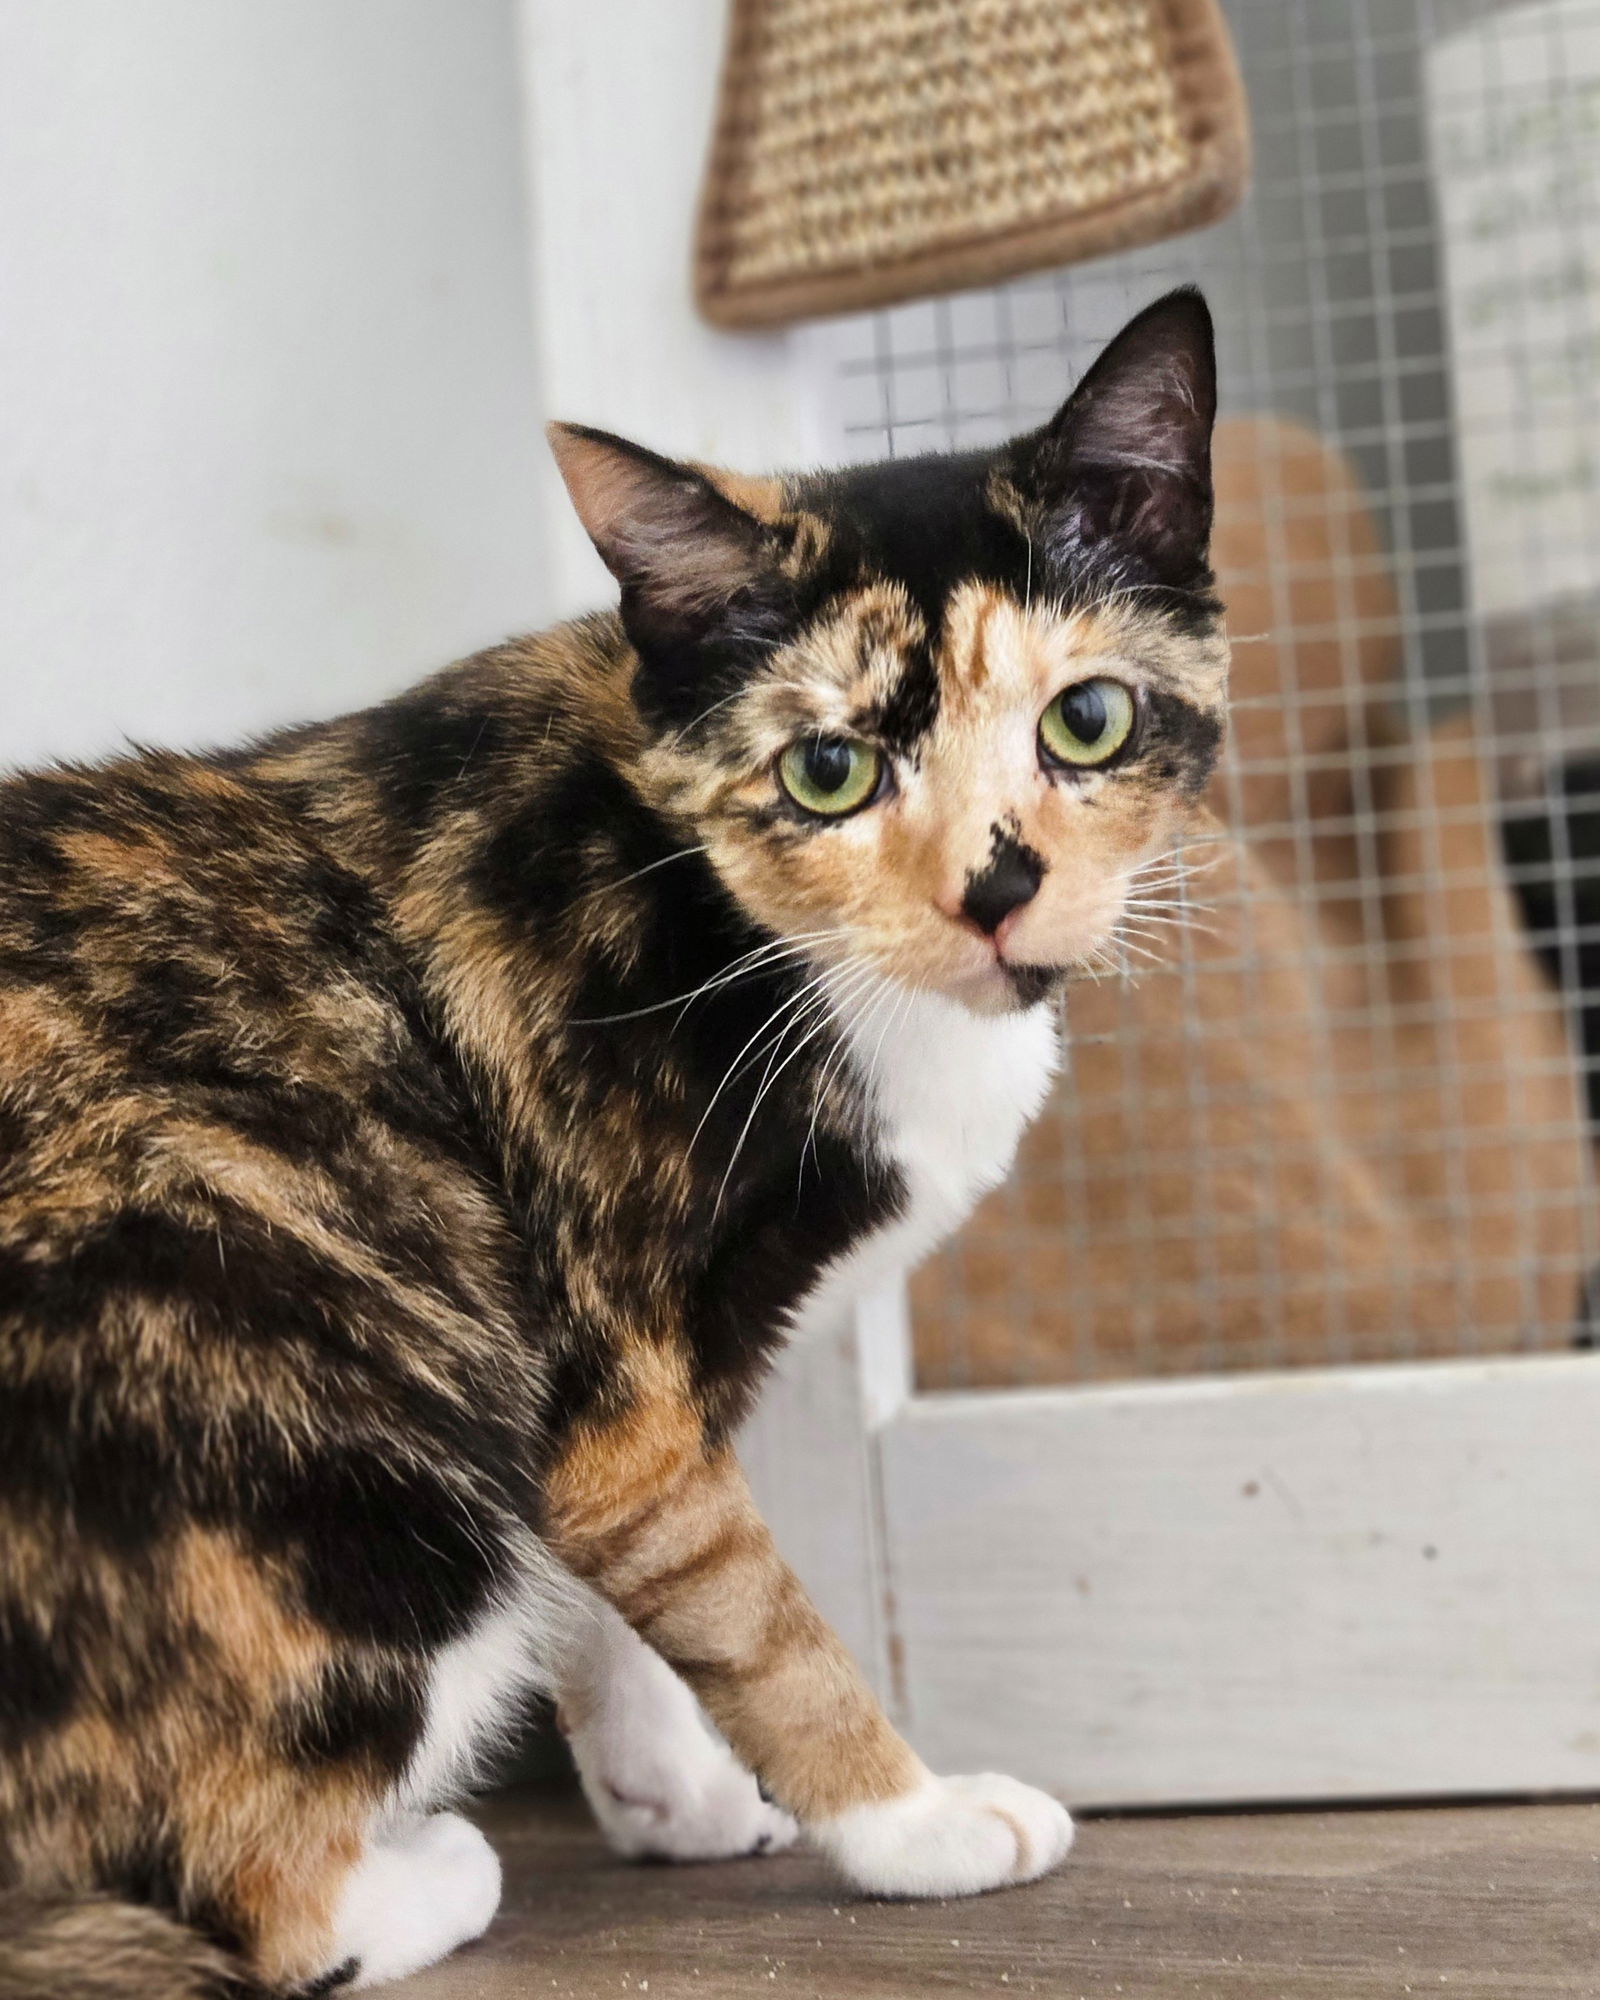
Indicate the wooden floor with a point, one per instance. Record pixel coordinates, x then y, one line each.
1459 1901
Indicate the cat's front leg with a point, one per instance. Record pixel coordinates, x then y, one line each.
661 1784
669 1533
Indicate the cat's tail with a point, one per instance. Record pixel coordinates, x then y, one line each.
95 1948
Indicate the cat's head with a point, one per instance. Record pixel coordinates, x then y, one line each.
930 716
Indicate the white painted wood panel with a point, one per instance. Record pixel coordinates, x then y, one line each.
1329 1584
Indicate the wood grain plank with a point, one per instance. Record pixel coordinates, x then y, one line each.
1479 1903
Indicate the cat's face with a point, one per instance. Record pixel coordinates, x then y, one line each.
930 717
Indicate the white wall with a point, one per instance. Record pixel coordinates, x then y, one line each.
268 415
620 97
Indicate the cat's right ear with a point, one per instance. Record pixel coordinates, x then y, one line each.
1122 472
686 557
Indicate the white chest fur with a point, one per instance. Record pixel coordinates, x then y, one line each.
953 1092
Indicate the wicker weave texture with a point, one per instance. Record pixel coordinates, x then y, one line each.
869 149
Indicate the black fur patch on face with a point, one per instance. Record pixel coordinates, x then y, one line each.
681 679
1008 879
924 523
1033 983
1180 743
901 722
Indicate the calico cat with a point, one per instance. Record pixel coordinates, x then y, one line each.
418 1130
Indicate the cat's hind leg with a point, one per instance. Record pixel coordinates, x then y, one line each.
660 1782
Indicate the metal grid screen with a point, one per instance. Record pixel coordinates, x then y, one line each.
1334 1104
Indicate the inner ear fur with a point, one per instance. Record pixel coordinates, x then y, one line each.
679 547
1124 467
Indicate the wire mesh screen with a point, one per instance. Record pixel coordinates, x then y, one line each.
1335 1102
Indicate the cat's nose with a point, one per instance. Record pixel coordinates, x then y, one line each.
1009 879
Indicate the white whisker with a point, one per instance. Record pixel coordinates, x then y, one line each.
877 1047
757 959
801 1000
801 948
822 1007
832 1068
682 854
705 715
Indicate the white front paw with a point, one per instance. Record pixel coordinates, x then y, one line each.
950 1837
704 1807
663 1785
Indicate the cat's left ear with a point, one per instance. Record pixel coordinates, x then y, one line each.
1124 467
685 555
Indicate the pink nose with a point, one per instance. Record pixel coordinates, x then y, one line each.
951 906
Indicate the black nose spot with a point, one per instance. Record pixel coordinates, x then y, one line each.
1010 879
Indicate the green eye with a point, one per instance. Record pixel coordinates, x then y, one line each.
1087 723
831 775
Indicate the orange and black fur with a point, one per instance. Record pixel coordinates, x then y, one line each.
390 1229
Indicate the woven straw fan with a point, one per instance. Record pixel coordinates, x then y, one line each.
868 151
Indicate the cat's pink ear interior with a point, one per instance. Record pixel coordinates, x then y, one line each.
677 546
1127 458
